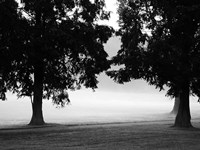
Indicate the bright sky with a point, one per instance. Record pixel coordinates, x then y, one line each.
111 5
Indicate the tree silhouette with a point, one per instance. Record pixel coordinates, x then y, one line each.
171 57
11 41
62 49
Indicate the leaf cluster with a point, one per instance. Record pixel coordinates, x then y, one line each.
169 55
63 37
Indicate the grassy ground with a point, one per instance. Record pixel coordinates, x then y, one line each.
115 136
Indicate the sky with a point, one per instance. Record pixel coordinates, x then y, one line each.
111 5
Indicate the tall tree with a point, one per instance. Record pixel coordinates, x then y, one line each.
11 29
63 49
172 55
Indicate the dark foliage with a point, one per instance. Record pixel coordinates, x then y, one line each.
64 39
11 40
169 54
60 48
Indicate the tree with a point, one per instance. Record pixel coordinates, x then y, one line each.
172 53
62 49
10 40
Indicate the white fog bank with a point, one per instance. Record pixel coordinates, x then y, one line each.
95 107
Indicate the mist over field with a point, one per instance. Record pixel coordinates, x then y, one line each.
96 107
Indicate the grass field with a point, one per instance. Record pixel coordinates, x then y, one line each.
149 135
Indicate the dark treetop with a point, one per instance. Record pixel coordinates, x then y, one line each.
170 54
60 37
57 46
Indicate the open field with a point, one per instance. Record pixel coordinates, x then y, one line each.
104 121
150 135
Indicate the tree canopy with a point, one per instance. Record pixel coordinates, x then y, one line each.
169 55
62 48
10 40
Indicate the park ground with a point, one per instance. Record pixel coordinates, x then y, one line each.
146 135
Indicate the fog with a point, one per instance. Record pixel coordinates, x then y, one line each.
95 107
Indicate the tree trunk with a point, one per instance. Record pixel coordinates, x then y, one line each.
183 118
176 105
37 115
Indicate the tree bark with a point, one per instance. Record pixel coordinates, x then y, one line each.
183 118
37 115
176 105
